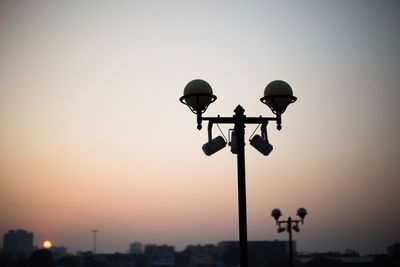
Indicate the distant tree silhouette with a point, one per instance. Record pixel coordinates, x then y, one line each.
383 261
322 262
69 261
41 258
231 257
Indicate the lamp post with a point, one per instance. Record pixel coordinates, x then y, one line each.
290 224
94 231
198 95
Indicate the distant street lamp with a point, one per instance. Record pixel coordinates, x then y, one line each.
198 95
94 232
290 224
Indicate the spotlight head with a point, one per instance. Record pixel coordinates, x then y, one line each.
263 146
281 229
276 213
214 145
296 228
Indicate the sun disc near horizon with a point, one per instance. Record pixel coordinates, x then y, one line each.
47 244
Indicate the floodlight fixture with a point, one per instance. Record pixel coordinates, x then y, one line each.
261 143
281 229
214 145
263 146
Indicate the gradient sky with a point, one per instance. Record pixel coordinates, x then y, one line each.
92 134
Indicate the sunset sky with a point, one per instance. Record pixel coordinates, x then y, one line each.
93 136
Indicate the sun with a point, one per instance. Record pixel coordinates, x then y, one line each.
47 244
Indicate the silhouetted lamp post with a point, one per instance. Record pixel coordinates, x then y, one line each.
198 95
290 224
94 240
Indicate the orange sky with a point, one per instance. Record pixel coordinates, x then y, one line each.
92 134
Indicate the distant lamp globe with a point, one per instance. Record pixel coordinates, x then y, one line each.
277 96
47 244
198 95
302 212
276 213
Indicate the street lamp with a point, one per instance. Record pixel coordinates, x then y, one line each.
290 224
198 95
94 231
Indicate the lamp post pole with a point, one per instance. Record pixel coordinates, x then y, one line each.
277 95
239 130
289 228
94 240
239 121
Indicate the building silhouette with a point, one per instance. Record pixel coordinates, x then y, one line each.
394 250
59 252
261 253
41 258
201 256
157 256
136 248
18 242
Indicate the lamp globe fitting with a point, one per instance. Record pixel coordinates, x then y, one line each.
276 213
277 96
198 94
302 212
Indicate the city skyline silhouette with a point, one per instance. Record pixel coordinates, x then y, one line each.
18 251
92 135
22 244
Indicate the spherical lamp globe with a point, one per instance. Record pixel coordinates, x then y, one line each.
278 95
198 94
278 87
302 212
276 213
